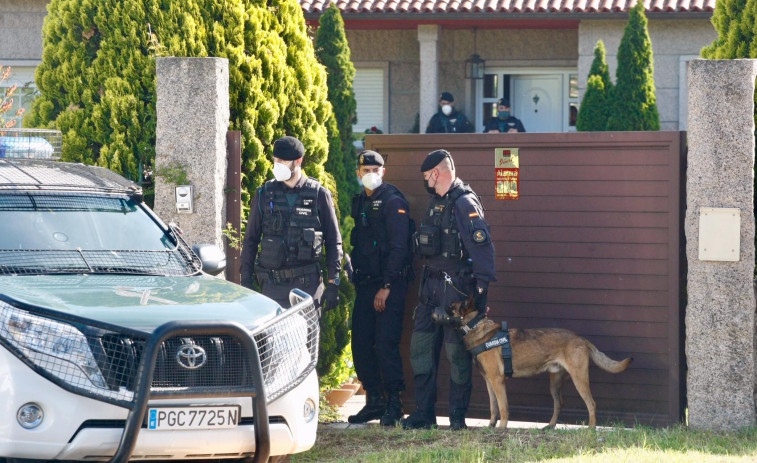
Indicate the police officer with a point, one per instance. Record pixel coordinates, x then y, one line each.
292 218
448 119
455 241
381 261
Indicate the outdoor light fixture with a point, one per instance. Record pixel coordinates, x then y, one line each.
475 65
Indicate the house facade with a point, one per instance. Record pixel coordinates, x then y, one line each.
536 53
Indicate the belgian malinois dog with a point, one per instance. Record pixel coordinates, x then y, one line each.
557 351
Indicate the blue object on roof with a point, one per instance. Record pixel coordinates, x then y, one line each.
25 147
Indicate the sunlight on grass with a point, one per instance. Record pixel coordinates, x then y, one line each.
374 444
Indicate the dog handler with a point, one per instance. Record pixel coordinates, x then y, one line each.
455 241
381 258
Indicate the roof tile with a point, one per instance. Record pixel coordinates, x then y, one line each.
505 6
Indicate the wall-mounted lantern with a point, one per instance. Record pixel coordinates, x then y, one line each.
475 65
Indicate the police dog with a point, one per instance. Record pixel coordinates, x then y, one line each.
557 351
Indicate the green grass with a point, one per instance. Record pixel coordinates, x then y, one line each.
612 445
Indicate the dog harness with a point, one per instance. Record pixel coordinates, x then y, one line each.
502 338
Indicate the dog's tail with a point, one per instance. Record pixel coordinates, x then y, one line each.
606 363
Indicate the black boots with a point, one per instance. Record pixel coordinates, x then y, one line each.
457 420
374 408
419 419
393 412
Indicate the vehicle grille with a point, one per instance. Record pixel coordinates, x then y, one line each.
191 362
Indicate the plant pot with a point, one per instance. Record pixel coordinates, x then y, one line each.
337 397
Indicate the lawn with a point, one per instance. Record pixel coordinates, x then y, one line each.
374 444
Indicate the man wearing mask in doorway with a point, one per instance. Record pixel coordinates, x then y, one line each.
292 218
505 122
448 119
381 260
455 242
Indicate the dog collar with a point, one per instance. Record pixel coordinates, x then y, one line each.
465 329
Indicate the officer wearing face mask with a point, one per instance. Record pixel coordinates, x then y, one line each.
504 122
455 242
381 261
448 119
292 219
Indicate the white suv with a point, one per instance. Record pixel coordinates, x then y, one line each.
115 345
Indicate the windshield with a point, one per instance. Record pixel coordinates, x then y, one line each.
53 233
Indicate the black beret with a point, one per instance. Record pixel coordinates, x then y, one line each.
369 158
433 159
447 96
288 149
504 102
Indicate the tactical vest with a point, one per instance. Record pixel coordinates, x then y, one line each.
438 234
292 236
369 237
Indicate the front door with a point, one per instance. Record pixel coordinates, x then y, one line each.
538 102
544 100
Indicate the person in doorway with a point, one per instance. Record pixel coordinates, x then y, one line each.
455 241
504 122
381 261
292 219
447 119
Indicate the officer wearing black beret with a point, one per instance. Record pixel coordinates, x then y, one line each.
381 260
455 242
292 219
448 119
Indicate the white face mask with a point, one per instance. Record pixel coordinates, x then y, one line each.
281 172
371 180
447 109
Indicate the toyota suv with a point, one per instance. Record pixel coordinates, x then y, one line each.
116 343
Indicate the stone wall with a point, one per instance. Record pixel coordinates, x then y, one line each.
720 315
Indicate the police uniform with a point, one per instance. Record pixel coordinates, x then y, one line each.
292 227
456 122
455 241
381 258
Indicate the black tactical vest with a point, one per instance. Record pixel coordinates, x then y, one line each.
438 236
292 236
369 237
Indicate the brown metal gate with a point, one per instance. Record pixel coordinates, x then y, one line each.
592 245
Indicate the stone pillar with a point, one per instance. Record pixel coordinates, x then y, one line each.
428 36
721 300
190 145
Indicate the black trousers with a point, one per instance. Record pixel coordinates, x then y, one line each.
376 338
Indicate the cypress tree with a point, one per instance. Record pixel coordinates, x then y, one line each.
592 117
333 52
633 98
595 106
734 21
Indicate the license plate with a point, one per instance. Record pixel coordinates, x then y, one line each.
171 418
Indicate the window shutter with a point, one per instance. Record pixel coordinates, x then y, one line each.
369 95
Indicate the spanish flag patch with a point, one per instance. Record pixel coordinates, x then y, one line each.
401 211
473 214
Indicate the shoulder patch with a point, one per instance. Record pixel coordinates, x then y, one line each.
479 236
473 214
401 211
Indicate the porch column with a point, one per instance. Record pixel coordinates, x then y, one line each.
428 36
720 230
190 144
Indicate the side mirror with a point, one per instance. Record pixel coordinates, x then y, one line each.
212 258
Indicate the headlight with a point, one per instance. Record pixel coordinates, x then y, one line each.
57 347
